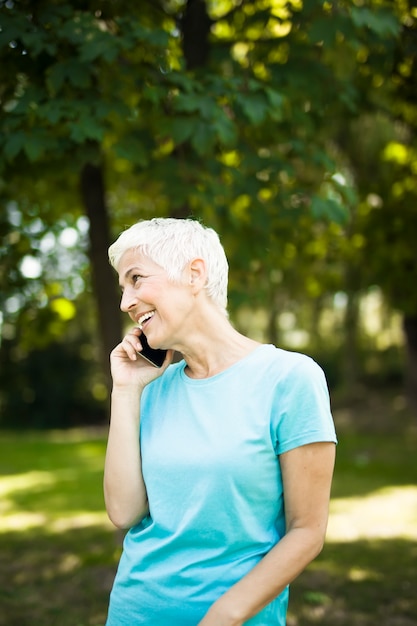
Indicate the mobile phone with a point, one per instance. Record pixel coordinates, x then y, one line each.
155 357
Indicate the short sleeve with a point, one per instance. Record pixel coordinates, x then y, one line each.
301 408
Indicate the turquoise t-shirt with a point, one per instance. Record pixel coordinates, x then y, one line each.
210 459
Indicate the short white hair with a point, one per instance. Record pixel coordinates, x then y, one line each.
172 243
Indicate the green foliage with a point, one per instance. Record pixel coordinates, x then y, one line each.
65 92
48 368
48 372
252 140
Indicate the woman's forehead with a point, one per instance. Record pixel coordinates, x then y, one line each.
135 258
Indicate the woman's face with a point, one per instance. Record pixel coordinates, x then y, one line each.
153 302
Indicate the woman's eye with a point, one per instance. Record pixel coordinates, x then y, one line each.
136 277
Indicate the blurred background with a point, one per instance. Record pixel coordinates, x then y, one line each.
289 127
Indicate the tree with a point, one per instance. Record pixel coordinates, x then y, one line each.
378 143
403 194
207 108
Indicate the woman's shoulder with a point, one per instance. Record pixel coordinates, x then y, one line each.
286 360
277 366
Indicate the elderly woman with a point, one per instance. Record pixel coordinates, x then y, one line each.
220 465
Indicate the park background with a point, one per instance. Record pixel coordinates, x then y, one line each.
289 127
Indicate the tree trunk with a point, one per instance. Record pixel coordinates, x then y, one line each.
195 26
350 357
410 333
195 30
276 305
104 278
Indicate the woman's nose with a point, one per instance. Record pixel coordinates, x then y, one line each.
128 301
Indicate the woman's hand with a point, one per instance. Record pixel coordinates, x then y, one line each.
128 368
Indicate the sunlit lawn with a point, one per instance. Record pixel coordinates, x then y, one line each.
59 552
367 572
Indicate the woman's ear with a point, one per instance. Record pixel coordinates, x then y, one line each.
197 274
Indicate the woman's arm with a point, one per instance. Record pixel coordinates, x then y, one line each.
307 474
124 489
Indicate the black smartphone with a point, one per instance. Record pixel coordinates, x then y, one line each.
155 357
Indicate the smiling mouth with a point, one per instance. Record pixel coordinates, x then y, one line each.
145 318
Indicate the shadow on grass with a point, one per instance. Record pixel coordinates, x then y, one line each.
65 578
363 583
368 462
61 575
57 578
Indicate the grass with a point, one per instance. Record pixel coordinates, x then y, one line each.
367 572
59 552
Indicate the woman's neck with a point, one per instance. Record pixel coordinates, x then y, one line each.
215 350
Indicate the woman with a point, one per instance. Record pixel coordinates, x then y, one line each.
220 464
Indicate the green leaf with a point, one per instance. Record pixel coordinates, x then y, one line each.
13 26
53 111
277 102
34 146
203 138
78 74
29 100
37 43
207 107
55 77
153 93
14 144
187 103
328 209
384 23
323 30
254 106
225 130
349 96
100 46
86 128
183 81
155 37
182 128
192 102
132 149
71 71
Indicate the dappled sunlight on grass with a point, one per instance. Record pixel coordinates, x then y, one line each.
31 521
60 551
358 574
385 513
28 480
46 489
366 574
49 578
368 582
82 520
